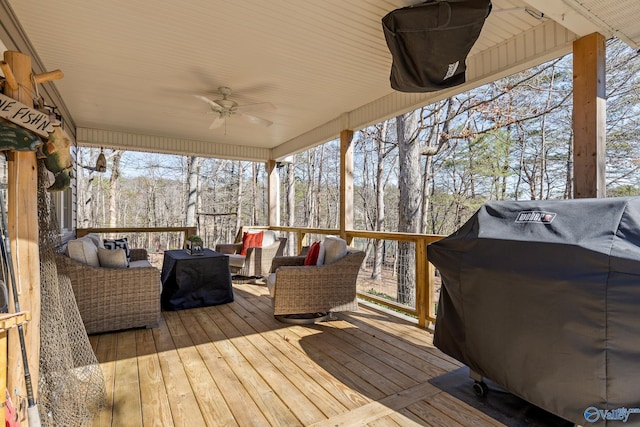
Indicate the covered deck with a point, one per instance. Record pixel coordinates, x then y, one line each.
236 365
131 73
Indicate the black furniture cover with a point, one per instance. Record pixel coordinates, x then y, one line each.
190 281
543 298
429 42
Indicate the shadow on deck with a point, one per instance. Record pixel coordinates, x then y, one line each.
235 364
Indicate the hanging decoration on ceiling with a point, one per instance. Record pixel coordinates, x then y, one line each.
36 128
429 42
101 162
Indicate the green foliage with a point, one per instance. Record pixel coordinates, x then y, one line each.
623 191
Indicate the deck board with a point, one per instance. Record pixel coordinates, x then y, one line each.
343 396
182 401
270 406
126 390
235 365
241 406
156 411
106 355
280 372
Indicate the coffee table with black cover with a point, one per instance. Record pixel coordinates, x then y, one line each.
190 281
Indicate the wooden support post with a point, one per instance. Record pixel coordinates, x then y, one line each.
22 201
589 116
346 182
431 302
301 236
274 193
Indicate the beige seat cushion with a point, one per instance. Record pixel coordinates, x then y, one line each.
236 260
141 263
112 258
334 249
83 250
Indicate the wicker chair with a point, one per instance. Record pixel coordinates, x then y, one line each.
257 261
306 294
110 299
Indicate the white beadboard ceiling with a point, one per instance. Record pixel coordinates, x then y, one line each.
132 67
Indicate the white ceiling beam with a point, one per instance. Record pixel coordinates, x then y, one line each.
89 137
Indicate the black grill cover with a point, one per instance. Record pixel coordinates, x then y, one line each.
543 298
429 42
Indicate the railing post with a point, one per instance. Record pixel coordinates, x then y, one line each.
431 273
346 182
301 236
422 282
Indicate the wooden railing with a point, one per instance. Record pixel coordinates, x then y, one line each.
187 231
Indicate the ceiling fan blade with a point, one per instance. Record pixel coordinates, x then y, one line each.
262 106
256 120
213 104
217 122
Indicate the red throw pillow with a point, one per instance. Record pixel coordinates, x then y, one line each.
251 240
312 254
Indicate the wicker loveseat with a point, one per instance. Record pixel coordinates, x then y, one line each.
110 299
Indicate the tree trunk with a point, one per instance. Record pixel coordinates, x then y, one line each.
193 171
254 193
568 189
378 258
409 209
291 203
239 196
316 196
113 187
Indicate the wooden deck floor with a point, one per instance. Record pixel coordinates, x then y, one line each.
236 365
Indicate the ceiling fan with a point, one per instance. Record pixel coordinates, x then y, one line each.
225 108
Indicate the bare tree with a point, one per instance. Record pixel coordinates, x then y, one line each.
193 174
291 202
409 215
239 189
113 187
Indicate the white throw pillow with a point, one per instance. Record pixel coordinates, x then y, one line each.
113 258
268 238
83 250
321 254
334 249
